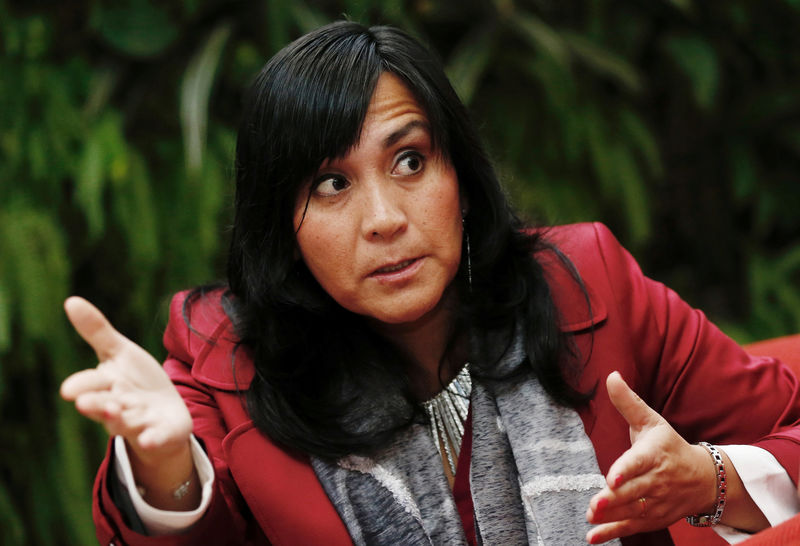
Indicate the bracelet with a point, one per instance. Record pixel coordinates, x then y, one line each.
707 520
178 493
183 489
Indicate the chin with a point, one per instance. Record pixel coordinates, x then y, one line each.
404 316
400 313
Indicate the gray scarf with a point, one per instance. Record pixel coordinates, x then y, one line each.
533 471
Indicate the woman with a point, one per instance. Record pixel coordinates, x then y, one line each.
395 359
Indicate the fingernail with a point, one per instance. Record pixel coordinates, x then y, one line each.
618 480
599 511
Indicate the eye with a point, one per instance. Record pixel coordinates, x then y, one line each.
328 186
409 163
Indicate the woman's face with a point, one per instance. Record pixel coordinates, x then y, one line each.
382 229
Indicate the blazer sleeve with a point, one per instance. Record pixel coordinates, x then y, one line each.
699 379
223 522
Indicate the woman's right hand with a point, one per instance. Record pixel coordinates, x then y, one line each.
132 396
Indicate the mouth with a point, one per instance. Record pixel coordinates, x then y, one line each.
393 268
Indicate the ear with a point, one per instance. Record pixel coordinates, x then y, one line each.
464 202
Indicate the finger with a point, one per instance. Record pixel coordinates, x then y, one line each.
101 406
84 381
605 505
111 401
630 465
630 509
610 531
93 327
104 408
628 404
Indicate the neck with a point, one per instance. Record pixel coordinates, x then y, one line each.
425 341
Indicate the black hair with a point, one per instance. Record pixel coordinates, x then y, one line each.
325 382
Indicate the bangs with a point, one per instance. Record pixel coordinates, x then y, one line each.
321 92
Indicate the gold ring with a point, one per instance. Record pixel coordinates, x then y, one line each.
643 502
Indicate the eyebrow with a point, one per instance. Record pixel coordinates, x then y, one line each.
404 131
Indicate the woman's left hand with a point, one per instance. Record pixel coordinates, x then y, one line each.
659 480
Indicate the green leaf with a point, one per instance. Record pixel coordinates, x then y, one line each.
641 138
765 212
38 280
135 211
686 6
12 533
73 474
40 488
565 202
776 102
509 139
633 193
601 154
5 320
468 63
743 173
38 157
789 264
739 333
36 37
101 86
541 36
618 174
139 28
602 61
505 8
774 292
90 182
195 91
246 61
278 17
357 10
560 91
306 17
698 60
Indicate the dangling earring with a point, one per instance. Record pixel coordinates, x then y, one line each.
469 253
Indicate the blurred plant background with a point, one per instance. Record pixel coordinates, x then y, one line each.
676 122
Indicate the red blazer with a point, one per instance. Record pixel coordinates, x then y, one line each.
704 384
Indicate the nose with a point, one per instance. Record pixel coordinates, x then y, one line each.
384 215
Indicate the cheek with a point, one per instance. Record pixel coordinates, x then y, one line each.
448 230
325 254
316 250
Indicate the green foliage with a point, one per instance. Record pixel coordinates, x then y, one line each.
677 123
139 28
698 61
195 91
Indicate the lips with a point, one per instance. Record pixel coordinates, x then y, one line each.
394 267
